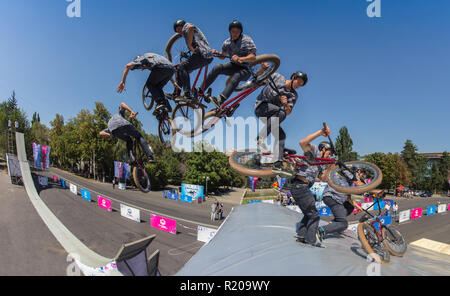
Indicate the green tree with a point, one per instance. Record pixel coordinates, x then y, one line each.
344 146
444 168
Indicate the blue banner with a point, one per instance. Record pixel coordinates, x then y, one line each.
254 201
63 184
86 195
431 210
173 196
37 155
324 211
191 191
186 198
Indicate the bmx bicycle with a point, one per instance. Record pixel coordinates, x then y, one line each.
258 164
194 111
380 239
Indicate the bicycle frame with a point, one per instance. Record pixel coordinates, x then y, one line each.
379 233
292 159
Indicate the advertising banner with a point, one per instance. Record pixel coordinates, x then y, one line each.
130 213
431 210
318 188
13 165
368 199
86 194
43 181
416 213
163 224
73 189
55 179
325 211
205 234
404 216
365 205
104 203
37 155
63 184
46 157
269 201
173 196
191 192
441 208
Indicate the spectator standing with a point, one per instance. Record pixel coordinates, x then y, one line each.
387 208
114 183
395 209
213 211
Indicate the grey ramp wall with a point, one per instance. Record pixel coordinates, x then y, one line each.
258 239
88 259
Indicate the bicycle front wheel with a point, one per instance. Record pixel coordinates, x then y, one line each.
187 117
272 62
337 177
141 179
252 163
394 241
371 243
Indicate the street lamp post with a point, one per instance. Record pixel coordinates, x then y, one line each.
206 187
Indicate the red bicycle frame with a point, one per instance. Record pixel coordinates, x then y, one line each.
321 161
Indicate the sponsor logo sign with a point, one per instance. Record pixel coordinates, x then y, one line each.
441 208
416 213
191 192
431 210
73 189
164 224
104 203
384 221
63 184
205 234
43 181
86 194
324 211
173 196
130 213
404 216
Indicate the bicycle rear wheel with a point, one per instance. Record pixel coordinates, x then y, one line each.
371 243
252 163
147 98
141 179
273 62
394 241
337 180
189 115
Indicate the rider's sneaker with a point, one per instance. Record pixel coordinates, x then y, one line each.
319 234
278 168
300 239
218 101
151 159
187 96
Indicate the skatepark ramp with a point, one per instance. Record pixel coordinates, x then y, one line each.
258 240
131 258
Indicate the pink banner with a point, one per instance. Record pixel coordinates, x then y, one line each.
104 203
55 179
163 224
355 210
448 209
368 199
416 213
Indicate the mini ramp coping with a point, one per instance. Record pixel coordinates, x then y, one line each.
131 256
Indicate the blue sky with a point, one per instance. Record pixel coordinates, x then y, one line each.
386 78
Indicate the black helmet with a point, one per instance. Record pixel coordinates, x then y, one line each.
300 74
325 145
235 24
177 24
